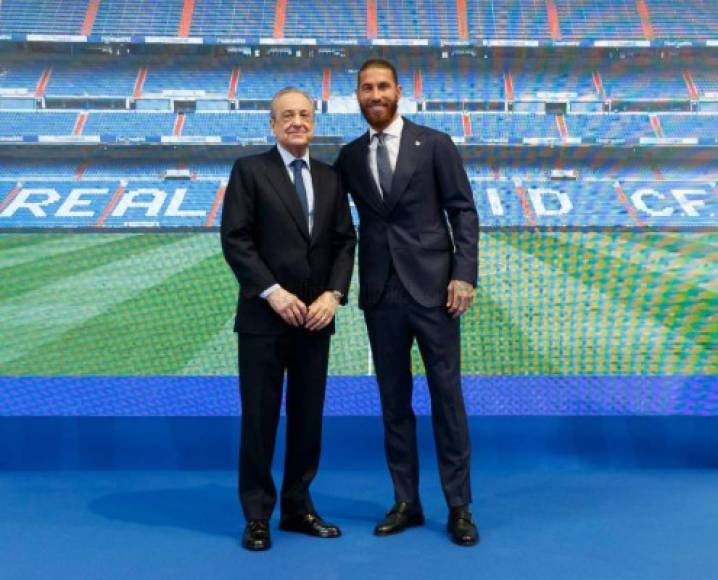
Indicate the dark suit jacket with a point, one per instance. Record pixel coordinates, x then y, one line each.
409 227
266 241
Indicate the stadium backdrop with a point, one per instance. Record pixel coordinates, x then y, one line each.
594 298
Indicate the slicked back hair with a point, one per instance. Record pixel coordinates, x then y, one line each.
378 63
286 91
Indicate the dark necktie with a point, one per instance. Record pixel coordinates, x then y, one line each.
297 166
383 165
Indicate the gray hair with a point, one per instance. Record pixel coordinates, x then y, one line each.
286 91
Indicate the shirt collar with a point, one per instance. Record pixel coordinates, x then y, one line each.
288 157
393 129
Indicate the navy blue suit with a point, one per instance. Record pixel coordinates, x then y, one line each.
423 234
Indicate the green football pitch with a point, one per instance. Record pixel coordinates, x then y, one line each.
574 303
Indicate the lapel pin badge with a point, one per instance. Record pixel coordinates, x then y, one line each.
417 143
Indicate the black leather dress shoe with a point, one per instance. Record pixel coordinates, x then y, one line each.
310 524
256 535
403 515
462 528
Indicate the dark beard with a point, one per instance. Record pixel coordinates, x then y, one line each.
391 110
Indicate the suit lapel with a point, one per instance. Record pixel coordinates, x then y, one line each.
320 200
405 163
277 176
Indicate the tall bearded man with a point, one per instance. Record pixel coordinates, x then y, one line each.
417 273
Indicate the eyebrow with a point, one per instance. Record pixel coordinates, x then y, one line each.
380 84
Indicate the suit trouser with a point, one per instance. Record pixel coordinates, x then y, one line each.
263 360
392 324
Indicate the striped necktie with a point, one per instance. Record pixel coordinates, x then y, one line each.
383 165
297 165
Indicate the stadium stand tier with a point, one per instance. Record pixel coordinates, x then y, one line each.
235 19
368 20
423 79
508 20
556 137
42 16
136 200
478 128
138 17
692 19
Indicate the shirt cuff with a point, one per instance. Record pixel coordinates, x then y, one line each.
268 291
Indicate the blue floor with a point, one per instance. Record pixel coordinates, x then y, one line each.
587 524
604 498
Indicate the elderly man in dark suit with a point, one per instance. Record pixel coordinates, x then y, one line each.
288 236
417 273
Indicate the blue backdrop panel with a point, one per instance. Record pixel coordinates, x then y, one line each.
357 442
358 395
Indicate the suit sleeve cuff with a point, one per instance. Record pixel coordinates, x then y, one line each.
265 294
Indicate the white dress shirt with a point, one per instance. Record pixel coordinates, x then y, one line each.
287 158
392 140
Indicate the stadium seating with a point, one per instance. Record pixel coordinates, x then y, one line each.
344 77
129 124
318 19
248 124
91 77
616 126
632 171
532 80
130 168
705 77
462 82
19 169
193 201
510 20
596 165
422 79
696 19
206 76
696 169
198 199
36 123
512 184
632 81
236 19
114 168
450 123
343 125
128 201
138 17
21 75
255 83
483 127
417 19
588 19
42 16
692 125
495 126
